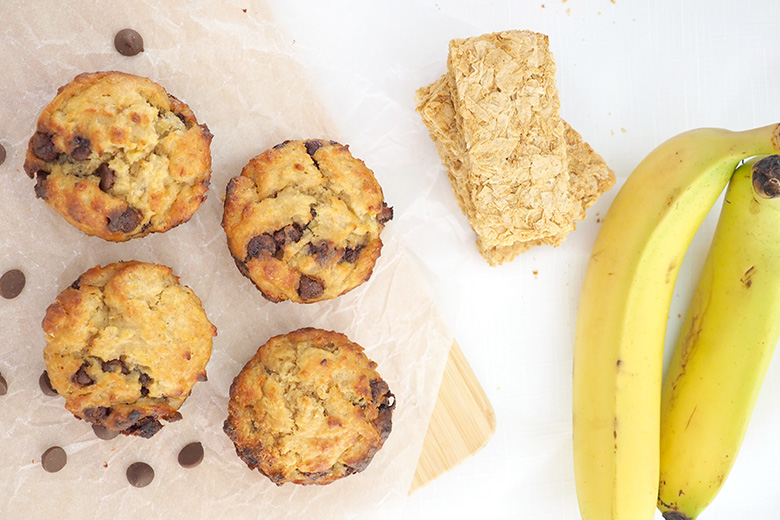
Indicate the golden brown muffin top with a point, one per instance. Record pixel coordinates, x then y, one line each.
118 157
125 344
309 408
303 221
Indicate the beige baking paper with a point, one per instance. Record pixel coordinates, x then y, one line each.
229 62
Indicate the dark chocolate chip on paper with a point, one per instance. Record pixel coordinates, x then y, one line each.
191 455
54 459
104 433
3 385
128 42
2 154
140 474
45 384
11 283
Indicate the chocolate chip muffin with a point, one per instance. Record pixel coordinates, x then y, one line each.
125 344
303 221
309 408
118 157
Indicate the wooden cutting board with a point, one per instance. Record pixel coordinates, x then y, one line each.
462 422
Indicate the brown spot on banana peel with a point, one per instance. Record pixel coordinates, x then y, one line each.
676 515
747 278
766 177
691 337
670 271
690 417
615 434
671 200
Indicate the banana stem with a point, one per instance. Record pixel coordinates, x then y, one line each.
766 177
673 515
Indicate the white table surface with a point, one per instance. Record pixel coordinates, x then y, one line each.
630 75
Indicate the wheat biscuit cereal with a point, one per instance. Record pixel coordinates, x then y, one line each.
507 109
587 174
118 157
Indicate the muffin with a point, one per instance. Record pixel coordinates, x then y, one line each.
303 221
309 408
125 344
118 157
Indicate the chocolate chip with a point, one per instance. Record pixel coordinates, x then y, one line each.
45 384
11 283
378 389
293 232
112 365
128 42
133 417
386 214
40 188
144 381
312 146
280 237
351 254
3 385
81 377
310 288
322 251
139 474
145 427
261 244
203 377
107 177
2 154
97 414
43 147
288 234
124 222
386 401
281 145
104 433
81 149
191 455
54 459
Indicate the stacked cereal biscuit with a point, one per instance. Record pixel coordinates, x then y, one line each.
520 173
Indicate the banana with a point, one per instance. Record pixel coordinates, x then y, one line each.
623 313
725 345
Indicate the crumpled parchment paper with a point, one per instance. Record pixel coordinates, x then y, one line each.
229 62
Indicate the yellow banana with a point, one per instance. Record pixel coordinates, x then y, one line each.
727 339
623 313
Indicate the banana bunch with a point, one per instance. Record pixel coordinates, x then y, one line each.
728 337
624 309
